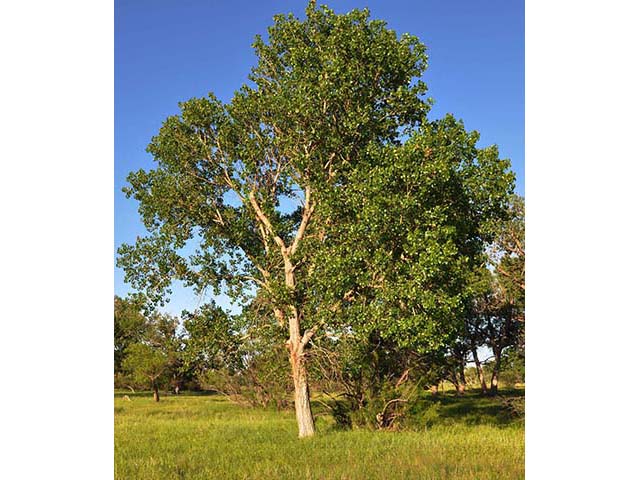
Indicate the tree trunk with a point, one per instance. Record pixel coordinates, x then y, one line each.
462 384
304 416
496 373
156 394
480 370
296 344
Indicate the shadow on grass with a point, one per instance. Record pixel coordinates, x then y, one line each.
471 408
448 409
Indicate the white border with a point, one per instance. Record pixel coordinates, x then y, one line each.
57 211
582 246
57 239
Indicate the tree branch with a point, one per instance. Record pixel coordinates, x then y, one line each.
306 216
265 221
308 334
508 275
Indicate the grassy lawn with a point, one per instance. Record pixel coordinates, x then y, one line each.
206 437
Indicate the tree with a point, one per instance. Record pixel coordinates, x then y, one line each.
512 370
324 89
155 358
494 310
505 323
507 253
166 335
496 321
385 231
255 370
128 327
212 340
475 338
147 364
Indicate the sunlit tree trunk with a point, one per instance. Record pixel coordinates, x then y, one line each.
304 416
297 341
480 370
462 383
296 344
156 394
496 372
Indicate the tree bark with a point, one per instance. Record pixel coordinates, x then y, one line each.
304 416
296 344
496 373
156 394
462 384
297 341
480 370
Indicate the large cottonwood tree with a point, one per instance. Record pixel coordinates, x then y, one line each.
324 90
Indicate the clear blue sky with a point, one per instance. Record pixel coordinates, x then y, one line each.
167 51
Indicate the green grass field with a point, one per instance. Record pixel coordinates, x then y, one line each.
206 437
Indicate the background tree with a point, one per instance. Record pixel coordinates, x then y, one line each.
494 312
165 334
147 364
129 326
505 326
155 358
240 356
475 338
507 253
212 340
512 370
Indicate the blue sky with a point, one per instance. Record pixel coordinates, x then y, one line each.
167 51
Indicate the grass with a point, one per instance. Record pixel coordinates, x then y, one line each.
206 437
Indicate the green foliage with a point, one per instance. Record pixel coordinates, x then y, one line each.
324 88
241 357
211 340
128 328
508 255
263 381
495 309
407 230
428 416
512 369
146 363
148 346
372 383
